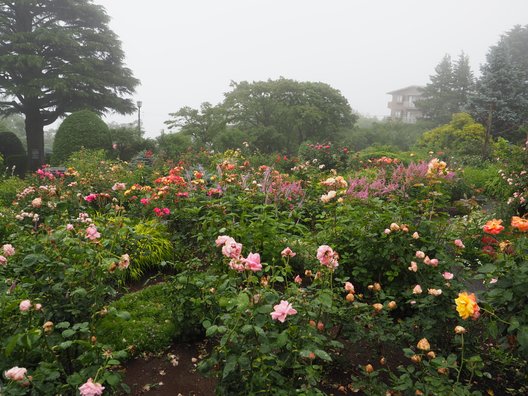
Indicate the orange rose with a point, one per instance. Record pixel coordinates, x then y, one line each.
493 227
519 223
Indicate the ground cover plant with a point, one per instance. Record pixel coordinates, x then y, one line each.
335 272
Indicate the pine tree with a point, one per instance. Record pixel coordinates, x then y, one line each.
502 90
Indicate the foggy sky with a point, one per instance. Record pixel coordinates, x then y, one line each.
187 52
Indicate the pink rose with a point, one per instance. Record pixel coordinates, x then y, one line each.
25 305
427 260
349 287
448 275
237 264
434 292
434 262
3 260
387 231
9 250
91 233
222 239
459 243
327 256
90 197
282 310
298 280
119 186
416 235
69 227
413 267
38 307
16 373
287 252
419 254
417 289
253 262
232 249
91 388
144 201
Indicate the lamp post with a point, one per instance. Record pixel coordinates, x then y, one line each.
139 104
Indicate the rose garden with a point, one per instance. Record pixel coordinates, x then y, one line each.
286 266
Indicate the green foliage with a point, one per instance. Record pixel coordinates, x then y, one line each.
70 44
174 145
13 153
502 87
82 129
449 90
397 134
230 139
139 321
462 136
150 247
9 188
127 141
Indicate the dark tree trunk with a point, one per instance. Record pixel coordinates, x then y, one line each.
35 139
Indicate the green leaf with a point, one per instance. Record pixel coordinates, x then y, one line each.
68 333
112 379
323 355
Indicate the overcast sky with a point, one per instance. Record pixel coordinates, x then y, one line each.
187 52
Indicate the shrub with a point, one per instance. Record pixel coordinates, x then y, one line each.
13 152
462 136
80 129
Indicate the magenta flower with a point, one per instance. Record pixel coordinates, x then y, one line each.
144 201
90 197
90 388
282 310
252 262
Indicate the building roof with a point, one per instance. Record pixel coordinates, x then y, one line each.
414 88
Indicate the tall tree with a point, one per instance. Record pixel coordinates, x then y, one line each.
57 57
281 114
463 83
501 98
437 96
201 125
448 91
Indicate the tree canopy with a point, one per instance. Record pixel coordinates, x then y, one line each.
276 115
448 91
57 57
502 89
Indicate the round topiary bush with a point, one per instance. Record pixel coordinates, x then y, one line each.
80 129
13 152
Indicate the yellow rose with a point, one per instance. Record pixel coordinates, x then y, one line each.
467 306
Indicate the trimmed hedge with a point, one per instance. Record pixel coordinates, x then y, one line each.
82 129
13 153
